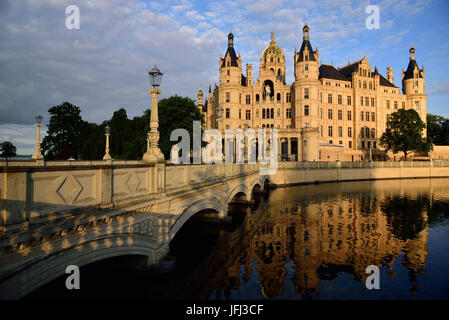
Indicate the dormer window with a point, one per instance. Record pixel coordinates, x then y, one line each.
306 57
271 59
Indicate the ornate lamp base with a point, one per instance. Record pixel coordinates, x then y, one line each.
107 157
153 155
37 157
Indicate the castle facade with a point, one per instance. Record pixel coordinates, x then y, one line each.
326 114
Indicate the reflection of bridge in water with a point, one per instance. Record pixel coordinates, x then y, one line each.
55 216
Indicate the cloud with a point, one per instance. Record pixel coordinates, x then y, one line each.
102 66
21 136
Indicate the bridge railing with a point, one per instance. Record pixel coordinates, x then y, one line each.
40 193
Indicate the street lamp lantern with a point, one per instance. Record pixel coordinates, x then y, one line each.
155 76
38 119
107 129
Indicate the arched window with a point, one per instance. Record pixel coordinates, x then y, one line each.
263 126
263 113
278 97
257 98
278 112
272 113
227 63
257 113
271 59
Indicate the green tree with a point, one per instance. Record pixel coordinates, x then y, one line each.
128 138
176 112
66 132
8 150
404 133
438 129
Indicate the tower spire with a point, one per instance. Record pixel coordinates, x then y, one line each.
412 52
272 42
305 31
230 38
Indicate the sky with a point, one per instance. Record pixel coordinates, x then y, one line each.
103 65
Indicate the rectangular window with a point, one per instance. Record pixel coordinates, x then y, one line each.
306 110
306 93
367 116
369 144
373 133
350 144
388 104
340 132
349 132
388 118
362 133
417 105
372 102
361 115
240 98
340 114
321 113
339 99
403 105
349 115
367 132
396 105
329 131
288 97
288 113
248 114
361 101
321 97
373 116
240 113
228 97
349 100
367 101
228 113
248 99
329 114
374 145
329 98
321 130
363 144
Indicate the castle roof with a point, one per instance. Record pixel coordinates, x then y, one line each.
329 72
410 70
306 43
233 56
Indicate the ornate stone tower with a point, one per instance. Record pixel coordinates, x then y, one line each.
413 86
305 93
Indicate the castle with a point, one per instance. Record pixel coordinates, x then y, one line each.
326 114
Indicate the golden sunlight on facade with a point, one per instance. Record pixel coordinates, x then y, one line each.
326 114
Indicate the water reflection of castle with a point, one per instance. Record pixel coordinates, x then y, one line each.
325 232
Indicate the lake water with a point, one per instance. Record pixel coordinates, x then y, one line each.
304 242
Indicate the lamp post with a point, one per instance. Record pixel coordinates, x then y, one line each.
107 132
154 154
37 149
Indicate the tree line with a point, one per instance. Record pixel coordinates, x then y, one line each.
68 135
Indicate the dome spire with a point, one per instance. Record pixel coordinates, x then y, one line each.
272 42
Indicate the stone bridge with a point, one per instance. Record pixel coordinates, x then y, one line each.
64 213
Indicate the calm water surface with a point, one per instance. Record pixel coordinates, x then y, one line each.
305 242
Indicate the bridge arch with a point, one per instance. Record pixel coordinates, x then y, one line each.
211 203
34 275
